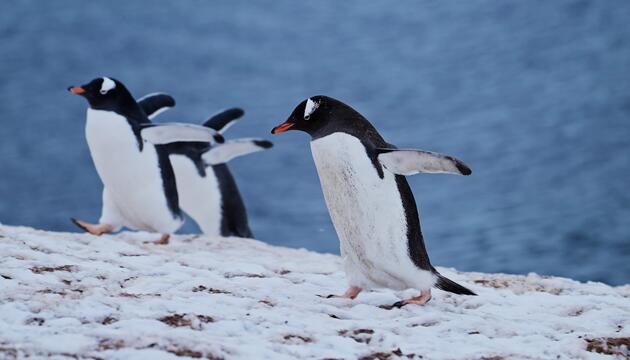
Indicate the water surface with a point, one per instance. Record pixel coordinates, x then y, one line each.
534 96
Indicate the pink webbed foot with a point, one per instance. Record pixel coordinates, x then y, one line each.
423 298
351 293
94 229
162 241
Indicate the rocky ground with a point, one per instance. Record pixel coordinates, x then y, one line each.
69 295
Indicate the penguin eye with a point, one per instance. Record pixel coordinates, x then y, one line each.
103 92
310 107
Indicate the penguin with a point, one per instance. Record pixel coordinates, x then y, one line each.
129 153
206 187
369 200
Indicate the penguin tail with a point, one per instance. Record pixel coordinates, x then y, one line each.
449 285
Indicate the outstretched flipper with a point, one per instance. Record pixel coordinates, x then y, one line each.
409 162
225 152
166 133
223 120
156 103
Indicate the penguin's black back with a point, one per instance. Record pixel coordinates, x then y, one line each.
166 168
136 118
233 216
168 181
234 219
415 240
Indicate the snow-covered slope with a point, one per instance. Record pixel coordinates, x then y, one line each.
115 297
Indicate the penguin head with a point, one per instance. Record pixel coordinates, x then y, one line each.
309 116
105 93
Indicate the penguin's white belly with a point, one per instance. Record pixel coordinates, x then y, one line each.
199 197
368 215
132 177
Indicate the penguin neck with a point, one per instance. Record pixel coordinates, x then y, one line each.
351 123
133 112
124 105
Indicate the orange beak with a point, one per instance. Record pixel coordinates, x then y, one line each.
76 90
282 127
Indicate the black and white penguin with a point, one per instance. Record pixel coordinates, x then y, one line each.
370 202
207 191
139 189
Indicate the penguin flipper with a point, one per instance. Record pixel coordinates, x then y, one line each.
156 103
410 162
166 133
225 152
224 119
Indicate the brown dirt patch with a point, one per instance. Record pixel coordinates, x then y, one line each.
192 353
381 355
51 291
129 295
110 344
109 320
184 320
609 346
305 339
35 321
267 302
202 288
186 352
249 275
359 335
43 269
519 285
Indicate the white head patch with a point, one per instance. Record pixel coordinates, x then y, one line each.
107 85
311 106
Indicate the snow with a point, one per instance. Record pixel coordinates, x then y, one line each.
65 295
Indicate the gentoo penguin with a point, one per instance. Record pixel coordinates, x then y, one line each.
207 191
139 189
370 202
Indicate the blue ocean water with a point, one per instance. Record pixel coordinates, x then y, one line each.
534 96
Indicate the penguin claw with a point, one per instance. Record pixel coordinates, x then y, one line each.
397 305
423 298
329 296
78 224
